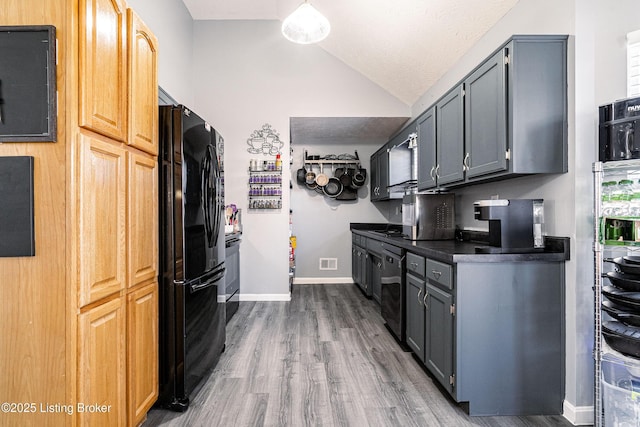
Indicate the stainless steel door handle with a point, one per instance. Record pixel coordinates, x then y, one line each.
419 299
424 299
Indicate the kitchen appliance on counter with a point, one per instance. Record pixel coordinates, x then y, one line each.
192 254
515 225
428 216
617 127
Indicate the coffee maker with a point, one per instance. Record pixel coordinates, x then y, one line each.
515 225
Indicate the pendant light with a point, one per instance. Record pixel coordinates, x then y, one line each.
306 25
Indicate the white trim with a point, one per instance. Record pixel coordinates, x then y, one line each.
322 280
578 416
265 297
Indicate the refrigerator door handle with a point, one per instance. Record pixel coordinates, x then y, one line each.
209 282
205 190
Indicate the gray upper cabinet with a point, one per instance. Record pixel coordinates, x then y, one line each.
379 174
486 118
450 137
427 162
516 110
507 118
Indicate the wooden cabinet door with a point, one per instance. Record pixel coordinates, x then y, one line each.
101 365
142 237
450 137
486 118
438 346
142 351
415 315
103 68
427 161
143 85
101 213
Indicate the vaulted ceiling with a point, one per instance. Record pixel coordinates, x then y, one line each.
404 46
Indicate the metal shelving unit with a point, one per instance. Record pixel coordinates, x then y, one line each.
604 249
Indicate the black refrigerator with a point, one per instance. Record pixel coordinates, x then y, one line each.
192 253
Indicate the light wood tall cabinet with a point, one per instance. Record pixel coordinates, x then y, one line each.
143 86
79 320
103 67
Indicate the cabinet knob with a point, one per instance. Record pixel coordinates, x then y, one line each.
436 274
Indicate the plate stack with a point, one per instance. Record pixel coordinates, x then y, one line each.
623 305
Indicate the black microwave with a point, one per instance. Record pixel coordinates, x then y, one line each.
618 123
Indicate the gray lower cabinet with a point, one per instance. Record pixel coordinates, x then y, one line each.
359 266
492 333
415 312
438 347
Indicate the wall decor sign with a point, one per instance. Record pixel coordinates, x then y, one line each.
265 140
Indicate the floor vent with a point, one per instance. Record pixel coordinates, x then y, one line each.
328 263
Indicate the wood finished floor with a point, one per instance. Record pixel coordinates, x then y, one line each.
323 359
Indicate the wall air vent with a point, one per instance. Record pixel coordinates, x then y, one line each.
328 263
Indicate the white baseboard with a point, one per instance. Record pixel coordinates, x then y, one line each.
578 415
322 280
265 297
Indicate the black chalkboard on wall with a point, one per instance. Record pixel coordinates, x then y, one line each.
28 100
17 237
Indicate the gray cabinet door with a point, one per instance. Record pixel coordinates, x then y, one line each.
450 137
354 263
374 178
379 175
364 279
439 335
383 174
485 118
427 161
415 312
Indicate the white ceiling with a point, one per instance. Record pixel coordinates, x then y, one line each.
404 46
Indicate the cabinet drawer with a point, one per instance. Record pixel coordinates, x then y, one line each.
415 264
374 246
440 273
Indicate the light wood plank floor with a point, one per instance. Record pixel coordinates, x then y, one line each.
323 359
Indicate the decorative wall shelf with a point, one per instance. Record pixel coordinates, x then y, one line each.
341 180
265 189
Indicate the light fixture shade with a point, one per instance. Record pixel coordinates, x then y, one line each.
306 25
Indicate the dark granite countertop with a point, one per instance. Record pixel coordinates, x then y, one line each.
454 251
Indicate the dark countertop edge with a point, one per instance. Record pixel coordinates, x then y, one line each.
556 248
